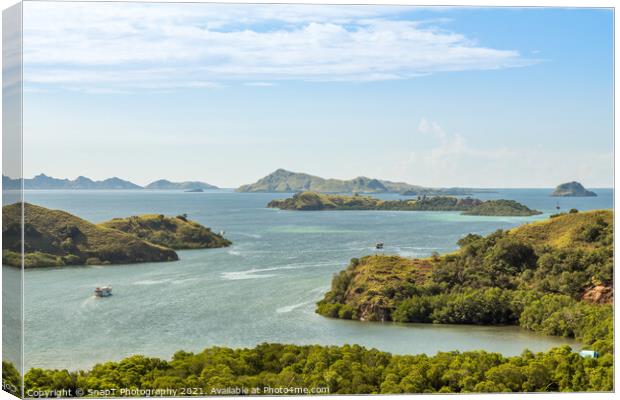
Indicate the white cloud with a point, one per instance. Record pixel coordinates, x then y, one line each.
452 161
260 84
141 45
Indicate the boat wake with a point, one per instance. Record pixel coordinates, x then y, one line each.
292 307
311 300
152 282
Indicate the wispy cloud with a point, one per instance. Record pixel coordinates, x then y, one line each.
145 45
260 84
453 161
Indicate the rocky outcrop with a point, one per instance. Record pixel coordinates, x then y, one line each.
572 189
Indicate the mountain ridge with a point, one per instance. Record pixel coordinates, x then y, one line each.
45 182
282 180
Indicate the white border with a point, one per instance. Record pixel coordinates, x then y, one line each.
464 3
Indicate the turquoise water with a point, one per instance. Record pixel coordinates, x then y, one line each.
261 289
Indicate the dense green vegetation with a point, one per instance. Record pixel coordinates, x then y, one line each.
536 275
285 181
176 233
313 201
501 207
11 379
331 369
56 238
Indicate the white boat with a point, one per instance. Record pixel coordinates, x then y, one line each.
103 291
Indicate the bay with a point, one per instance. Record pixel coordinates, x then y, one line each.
261 289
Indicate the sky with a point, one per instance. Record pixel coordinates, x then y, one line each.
470 97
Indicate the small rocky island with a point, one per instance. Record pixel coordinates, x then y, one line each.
56 238
312 201
572 189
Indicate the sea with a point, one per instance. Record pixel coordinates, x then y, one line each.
261 289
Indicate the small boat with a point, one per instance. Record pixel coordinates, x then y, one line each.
103 291
379 246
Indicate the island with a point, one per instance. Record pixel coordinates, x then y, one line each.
44 182
572 189
57 238
313 201
543 276
176 233
197 190
164 184
283 181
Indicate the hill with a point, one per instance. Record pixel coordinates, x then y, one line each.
313 201
572 189
44 182
164 184
285 181
176 233
508 208
553 276
56 238
589 231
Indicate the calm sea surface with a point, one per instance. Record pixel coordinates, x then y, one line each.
261 289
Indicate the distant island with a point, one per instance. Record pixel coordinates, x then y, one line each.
57 238
44 182
164 184
194 191
313 201
572 189
283 181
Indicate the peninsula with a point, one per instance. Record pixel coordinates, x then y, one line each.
313 201
57 238
283 181
544 276
572 189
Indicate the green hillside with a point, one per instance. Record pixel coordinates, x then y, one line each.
56 238
553 276
176 233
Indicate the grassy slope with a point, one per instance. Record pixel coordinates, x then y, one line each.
176 233
564 231
313 201
55 238
370 286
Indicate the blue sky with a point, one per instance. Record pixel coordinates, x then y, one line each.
226 94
